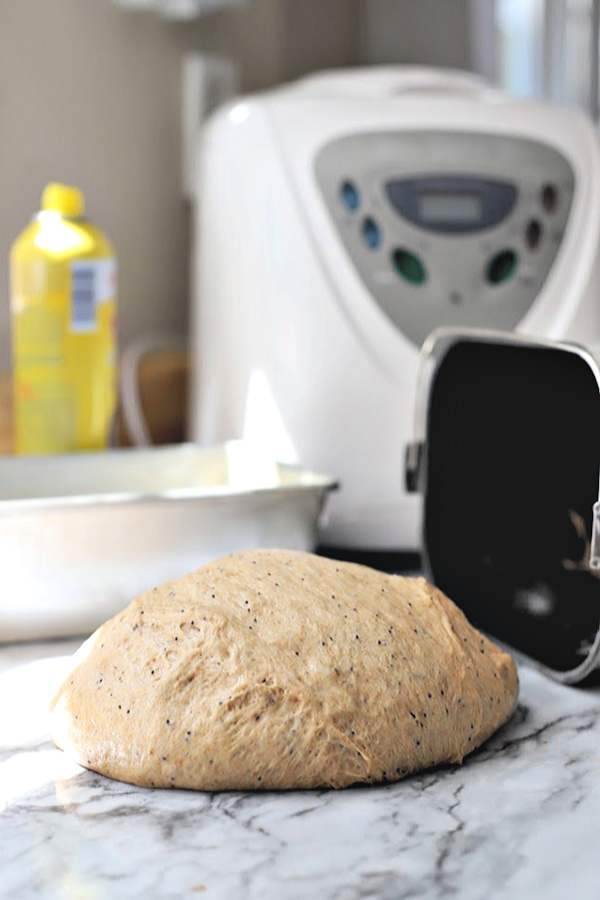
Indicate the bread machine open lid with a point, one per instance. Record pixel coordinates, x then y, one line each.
507 457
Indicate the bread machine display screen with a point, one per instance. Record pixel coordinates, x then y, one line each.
450 207
513 452
452 203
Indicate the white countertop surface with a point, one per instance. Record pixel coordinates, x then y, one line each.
520 818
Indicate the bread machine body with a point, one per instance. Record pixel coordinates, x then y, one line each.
342 218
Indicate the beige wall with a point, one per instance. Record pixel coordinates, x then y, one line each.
427 32
320 34
90 94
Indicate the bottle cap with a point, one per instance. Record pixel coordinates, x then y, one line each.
64 199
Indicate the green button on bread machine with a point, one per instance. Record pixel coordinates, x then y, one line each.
409 266
501 267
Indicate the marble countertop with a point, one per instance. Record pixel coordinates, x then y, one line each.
520 818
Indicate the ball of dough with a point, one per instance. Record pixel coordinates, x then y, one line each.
278 669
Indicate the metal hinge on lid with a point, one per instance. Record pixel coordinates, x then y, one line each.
413 458
595 548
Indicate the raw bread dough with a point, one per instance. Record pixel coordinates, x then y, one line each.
278 669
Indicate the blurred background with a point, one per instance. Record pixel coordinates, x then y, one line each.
91 94
274 281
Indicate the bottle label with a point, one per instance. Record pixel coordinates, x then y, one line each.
93 282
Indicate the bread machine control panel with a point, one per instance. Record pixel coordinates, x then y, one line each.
448 229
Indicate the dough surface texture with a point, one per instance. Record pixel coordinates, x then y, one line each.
279 669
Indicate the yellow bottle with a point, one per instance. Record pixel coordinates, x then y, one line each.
63 310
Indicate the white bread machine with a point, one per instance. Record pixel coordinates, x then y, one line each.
341 219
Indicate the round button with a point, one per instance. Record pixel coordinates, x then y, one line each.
549 197
409 266
350 195
371 233
533 234
501 267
